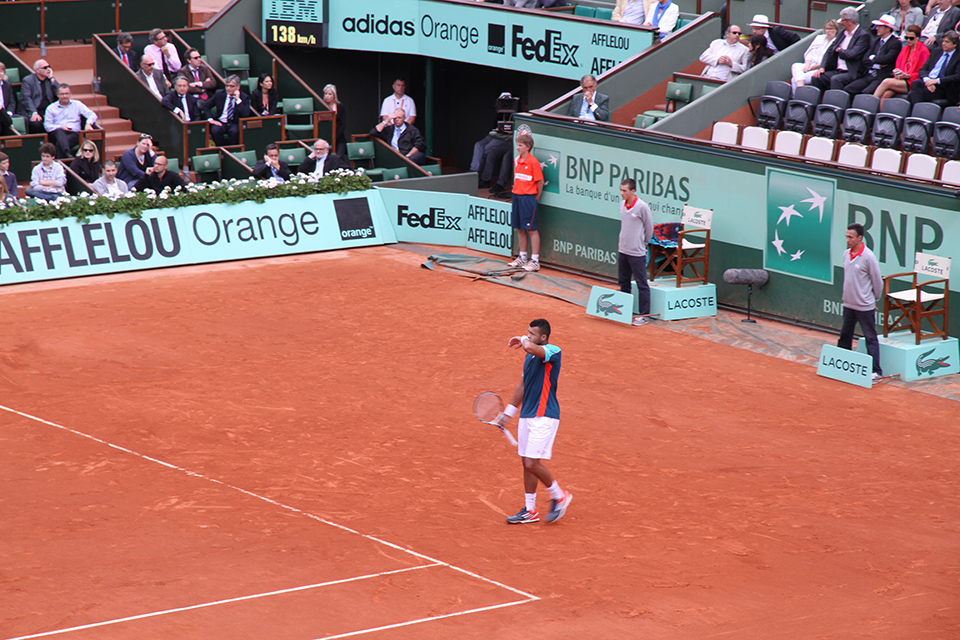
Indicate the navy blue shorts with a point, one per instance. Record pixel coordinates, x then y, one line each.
524 213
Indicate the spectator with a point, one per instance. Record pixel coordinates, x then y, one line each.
727 57
845 55
880 61
271 167
398 100
487 154
940 76
8 181
907 68
158 178
87 163
590 105
125 52
48 178
37 91
402 136
264 101
629 11
108 185
802 72
198 74
776 36
663 16
906 13
181 102
164 53
332 102
151 76
231 105
7 103
321 160
134 163
759 51
942 19
62 121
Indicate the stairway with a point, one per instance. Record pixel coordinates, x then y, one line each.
72 64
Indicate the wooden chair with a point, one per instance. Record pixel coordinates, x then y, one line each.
680 249
918 307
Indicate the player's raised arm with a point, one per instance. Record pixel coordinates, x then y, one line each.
528 345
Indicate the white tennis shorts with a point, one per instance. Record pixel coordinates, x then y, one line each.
535 437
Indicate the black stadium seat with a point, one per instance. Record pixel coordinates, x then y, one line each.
829 113
858 119
918 127
799 111
889 121
946 134
773 102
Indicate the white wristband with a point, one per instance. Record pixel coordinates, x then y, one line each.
510 411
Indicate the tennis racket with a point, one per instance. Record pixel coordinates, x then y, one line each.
488 408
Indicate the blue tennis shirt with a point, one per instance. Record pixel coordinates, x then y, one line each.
540 384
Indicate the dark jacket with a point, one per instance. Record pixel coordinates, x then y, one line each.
884 55
133 58
30 95
218 99
151 181
262 171
409 139
782 38
949 76
172 101
86 169
331 162
854 54
9 104
603 106
206 77
130 169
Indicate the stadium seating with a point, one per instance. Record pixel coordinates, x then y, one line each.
852 155
678 94
858 119
819 149
235 63
946 134
788 143
725 133
889 121
829 113
298 118
950 172
772 104
886 160
799 110
756 138
921 166
918 127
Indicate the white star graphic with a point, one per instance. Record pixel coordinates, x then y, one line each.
816 202
778 243
788 212
796 256
543 165
552 159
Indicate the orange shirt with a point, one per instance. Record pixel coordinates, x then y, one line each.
526 175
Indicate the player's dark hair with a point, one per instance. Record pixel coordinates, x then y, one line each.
629 183
543 325
857 227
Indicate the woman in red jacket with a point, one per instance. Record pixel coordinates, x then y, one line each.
911 58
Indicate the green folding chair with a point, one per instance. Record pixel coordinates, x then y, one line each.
248 158
298 120
678 94
432 169
584 11
13 75
362 153
238 63
293 156
396 173
206 166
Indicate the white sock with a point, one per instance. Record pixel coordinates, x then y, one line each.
535 257
530 500
555 491
523 255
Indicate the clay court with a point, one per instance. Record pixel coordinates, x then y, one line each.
285 449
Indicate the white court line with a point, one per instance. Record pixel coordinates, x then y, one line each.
433 561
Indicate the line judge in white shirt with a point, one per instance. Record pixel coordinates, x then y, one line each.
398 100
726 57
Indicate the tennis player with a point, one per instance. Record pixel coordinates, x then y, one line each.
539 420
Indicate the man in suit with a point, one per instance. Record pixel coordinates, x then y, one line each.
158 178
198 74
942 19
880 61
181 102
37 92
231 104
403 137
125 51
152 77
778 38
271 166
7 103
164 53
321 160
845 55
940 74
590 105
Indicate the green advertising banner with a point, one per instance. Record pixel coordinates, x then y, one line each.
536 42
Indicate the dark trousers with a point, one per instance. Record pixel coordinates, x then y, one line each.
227 134
919 93
34 127
487 155
868 325
635 267
419 157
866 85
833 80
64 141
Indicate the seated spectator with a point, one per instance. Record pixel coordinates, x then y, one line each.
231 104
8 181
402 136
7 104
906 13
942 19
183 104
629 11
590 105
125 52
663 16
845 55
398 100
940 75
332 102
108 185
777 37
271 167
62 121
134 163
48 179
907 68
37 91
152 77
264 100
164 53
488 154
158 178
759 51
727 57
880 60
198 74
87 163
802 72
321 160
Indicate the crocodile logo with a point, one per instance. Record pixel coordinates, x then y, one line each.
606 307
929 365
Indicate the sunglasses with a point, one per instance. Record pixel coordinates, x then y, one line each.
88 150
735 33
46 67
910 39
146 64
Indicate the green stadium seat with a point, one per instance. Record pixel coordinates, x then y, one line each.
173 165
252 85
238 63
206 166
248 158
298 120
584 11
678 94
432 169
19 124
293 156
643 121
375 174
13 75
362 153
603 13
396 173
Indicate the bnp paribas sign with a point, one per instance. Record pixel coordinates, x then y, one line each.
799 217
538 42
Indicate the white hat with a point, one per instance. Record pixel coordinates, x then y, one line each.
885 21
760 20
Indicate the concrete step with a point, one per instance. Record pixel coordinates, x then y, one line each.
63 58
199 18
